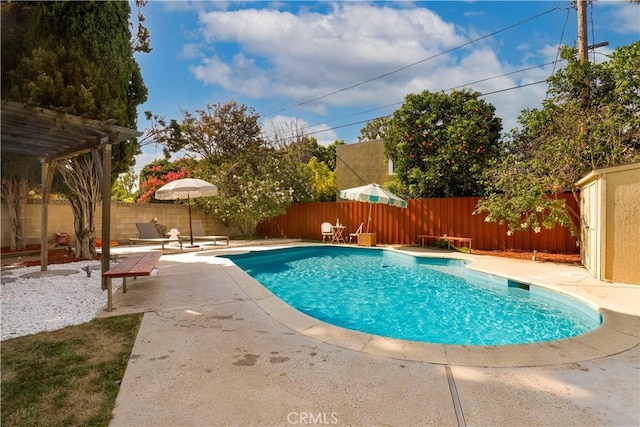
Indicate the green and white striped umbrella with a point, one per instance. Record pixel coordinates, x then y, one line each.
372 193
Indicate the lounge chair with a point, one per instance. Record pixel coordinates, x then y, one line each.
147 233
327 231
355 233
200 234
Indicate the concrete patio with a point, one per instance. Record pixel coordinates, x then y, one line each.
216 348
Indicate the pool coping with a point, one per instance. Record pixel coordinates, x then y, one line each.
618 332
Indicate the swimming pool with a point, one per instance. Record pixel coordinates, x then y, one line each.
397 295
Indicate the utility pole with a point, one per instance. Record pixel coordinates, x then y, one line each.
582 57
582 29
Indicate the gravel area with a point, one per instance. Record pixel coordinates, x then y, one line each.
33 305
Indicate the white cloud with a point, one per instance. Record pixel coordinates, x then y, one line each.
213 71
325 135
308 55
189 51
625 14
311 55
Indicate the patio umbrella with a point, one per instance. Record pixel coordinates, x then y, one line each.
372 193
186 188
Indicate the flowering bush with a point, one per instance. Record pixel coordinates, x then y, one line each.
149 187
247 200
526 204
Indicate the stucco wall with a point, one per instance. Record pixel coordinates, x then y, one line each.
123 220
622 225
360 164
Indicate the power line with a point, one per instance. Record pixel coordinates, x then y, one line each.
564 27
444 90
416 63
390 115
514 87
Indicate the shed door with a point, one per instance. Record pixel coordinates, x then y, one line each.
590 221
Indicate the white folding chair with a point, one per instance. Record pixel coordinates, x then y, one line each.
355 233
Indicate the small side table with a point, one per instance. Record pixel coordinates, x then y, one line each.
337 233
366 239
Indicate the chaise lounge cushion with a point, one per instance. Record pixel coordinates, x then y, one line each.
200 234
147 233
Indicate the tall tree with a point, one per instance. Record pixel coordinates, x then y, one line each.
327 155
125 186
440 144
255 180
293 174
374 129
19 175
77 56
589 120
215 133
303 149
324 179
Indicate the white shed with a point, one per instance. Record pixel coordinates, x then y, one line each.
610 223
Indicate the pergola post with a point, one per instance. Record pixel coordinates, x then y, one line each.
106 218
48 169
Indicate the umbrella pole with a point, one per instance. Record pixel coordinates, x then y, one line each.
369 220
190 226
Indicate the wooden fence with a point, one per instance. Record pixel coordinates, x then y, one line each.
451 216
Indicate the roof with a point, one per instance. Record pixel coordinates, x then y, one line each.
51 135
596 173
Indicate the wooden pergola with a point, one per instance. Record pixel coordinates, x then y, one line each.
52 136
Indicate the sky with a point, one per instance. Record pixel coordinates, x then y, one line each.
328 67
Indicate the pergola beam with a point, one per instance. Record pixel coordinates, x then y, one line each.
52 135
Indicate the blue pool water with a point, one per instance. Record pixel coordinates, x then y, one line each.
414 298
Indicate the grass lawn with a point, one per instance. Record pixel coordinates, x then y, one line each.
68 377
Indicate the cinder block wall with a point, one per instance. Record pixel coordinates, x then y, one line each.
123 220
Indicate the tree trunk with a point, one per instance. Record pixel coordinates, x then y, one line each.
83 192
15 192
84 226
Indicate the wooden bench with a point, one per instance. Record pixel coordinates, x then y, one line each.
449 239
134 265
